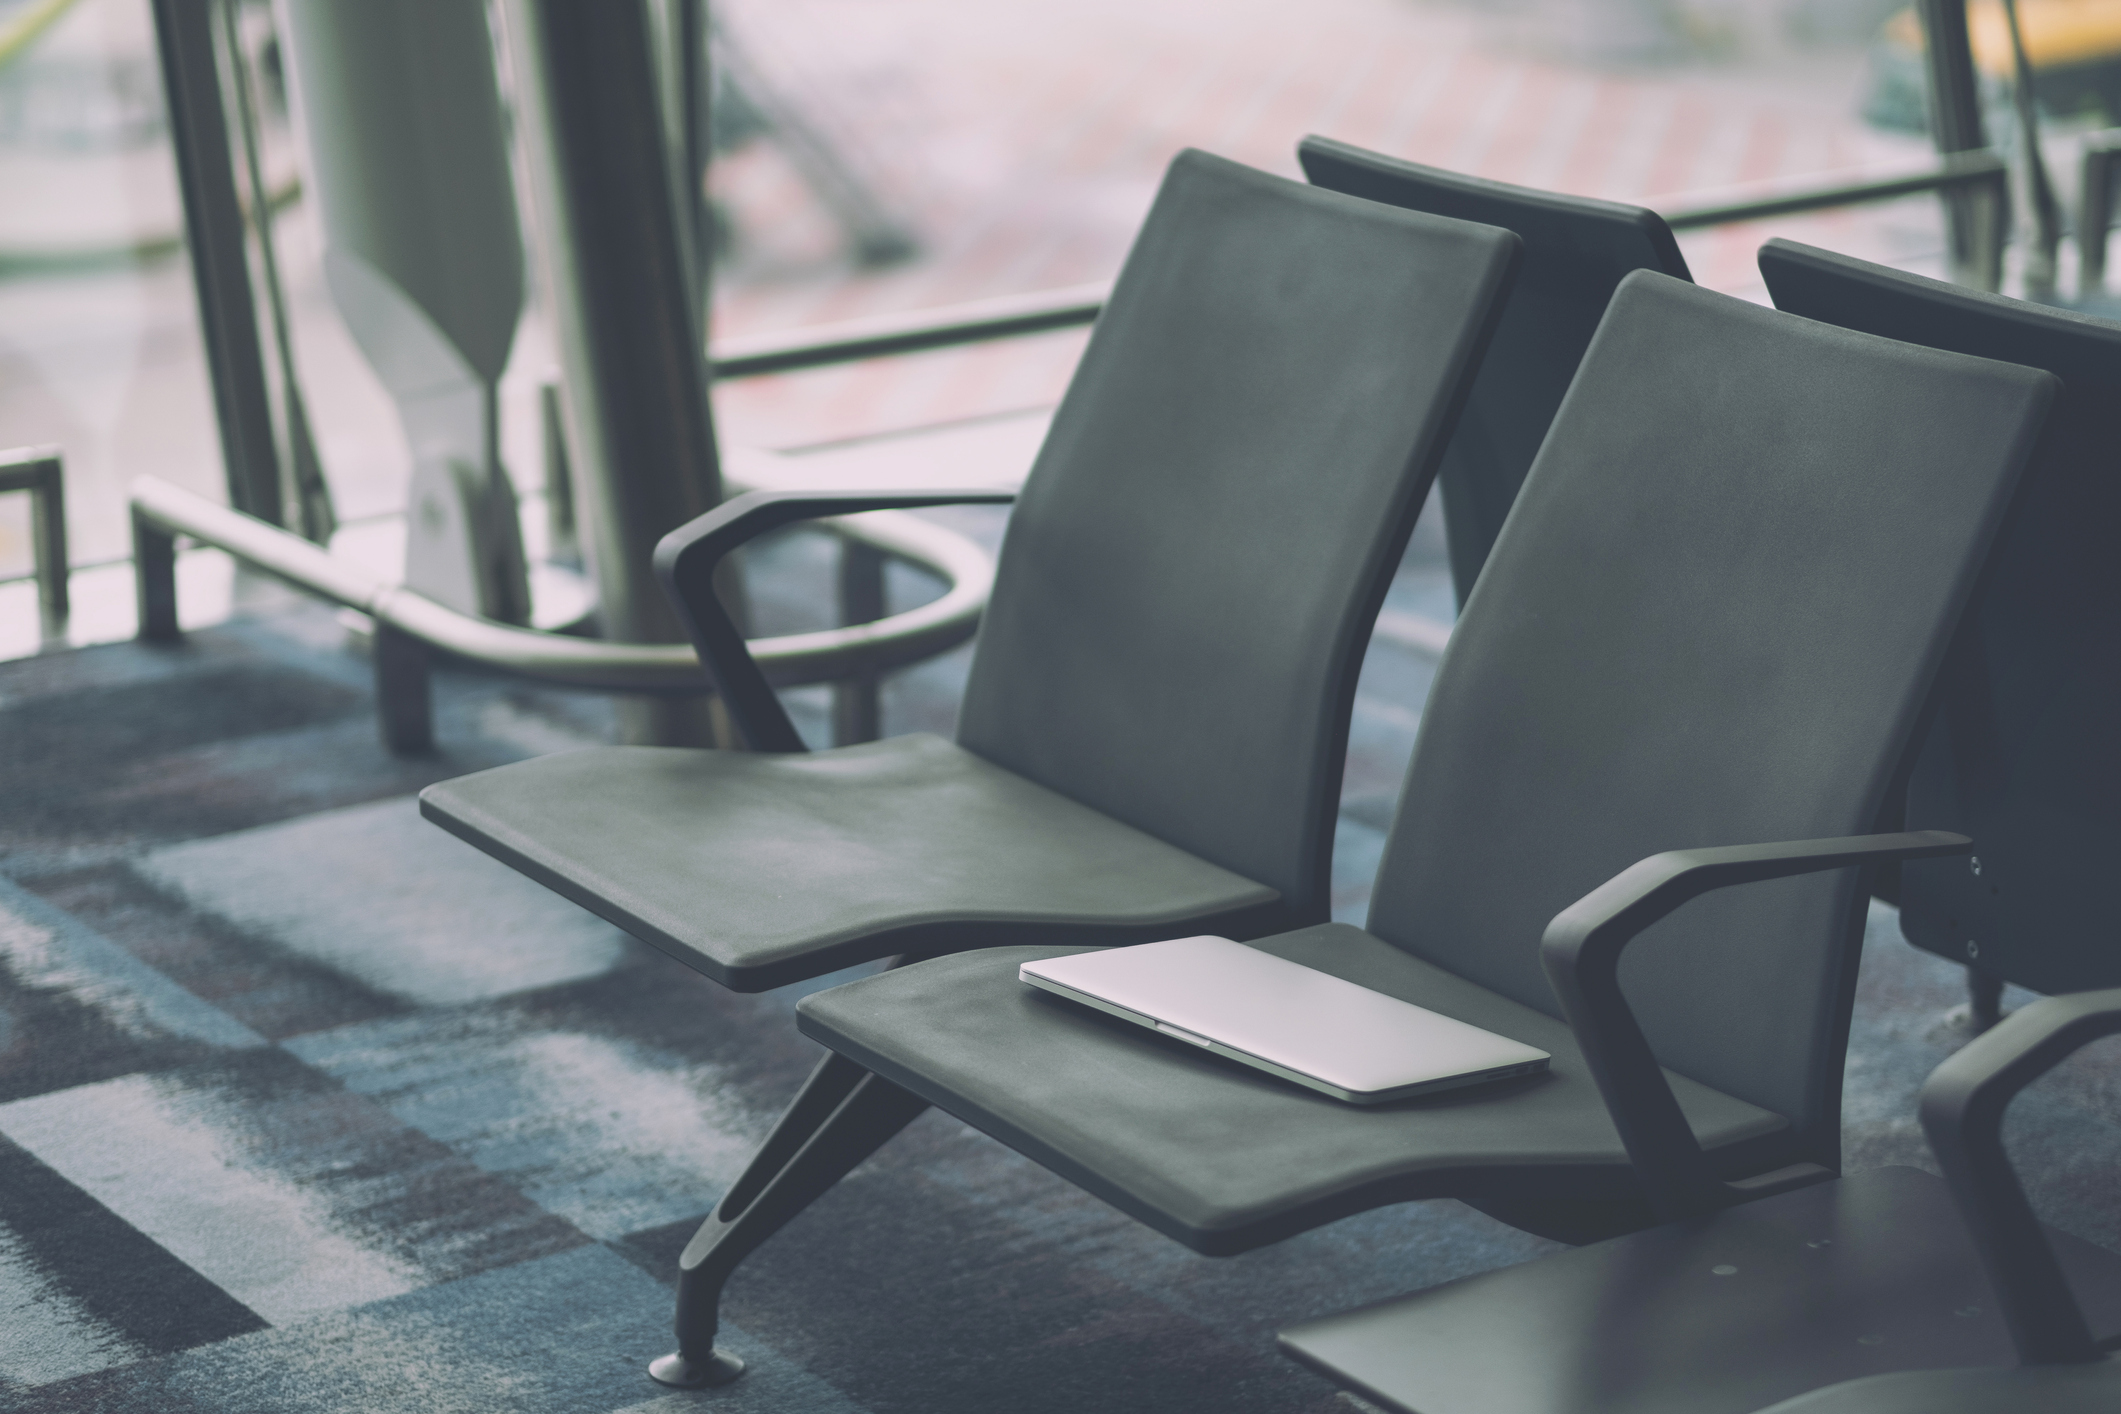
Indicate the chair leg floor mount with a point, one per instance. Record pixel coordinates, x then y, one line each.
719 1368
1720 1316
842 1115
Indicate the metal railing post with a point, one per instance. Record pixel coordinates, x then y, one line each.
213 224
1976 220
155 579
42 473
2095 208
2045 233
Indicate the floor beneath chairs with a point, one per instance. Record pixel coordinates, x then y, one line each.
303 1105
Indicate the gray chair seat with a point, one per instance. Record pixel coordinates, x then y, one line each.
761 870
1209 1152
1864 1290
2031 1389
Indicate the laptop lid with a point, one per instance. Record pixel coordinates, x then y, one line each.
1315 1029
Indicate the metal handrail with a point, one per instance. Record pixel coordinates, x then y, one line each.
878 336
976 321
1757 201
789 660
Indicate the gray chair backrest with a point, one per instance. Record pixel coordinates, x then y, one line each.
1576 250
1192 571
1711 619
2023 755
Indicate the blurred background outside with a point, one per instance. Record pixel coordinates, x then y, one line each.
888 155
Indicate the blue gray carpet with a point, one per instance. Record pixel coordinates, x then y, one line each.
305 1105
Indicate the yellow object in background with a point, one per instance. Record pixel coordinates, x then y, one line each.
2059 34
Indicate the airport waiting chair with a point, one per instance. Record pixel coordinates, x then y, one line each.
1154 727
1576 250
1893 1279
2021 753
1708 623
1153 733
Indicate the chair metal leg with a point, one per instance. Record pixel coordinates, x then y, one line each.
842 1116
1984 1000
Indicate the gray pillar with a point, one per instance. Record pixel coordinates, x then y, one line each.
607 240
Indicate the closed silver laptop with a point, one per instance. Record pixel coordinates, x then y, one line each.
1281 1017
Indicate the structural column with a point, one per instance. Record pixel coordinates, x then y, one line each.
608 241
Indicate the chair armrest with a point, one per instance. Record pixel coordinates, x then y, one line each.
685 562
1962 1113
1581 953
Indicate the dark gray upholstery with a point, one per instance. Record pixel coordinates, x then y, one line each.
2055 1315
810 861
1173 640
1846 1287
1192 570
2039 1389
1722 615
1711 619
2021 755
1646 1323
1214 1154
1576 250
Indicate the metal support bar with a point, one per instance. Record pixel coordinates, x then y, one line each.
41 472
314 514
213 222
882 335
1984 1000
1973 227
1979 175
2095 207
2046 216
160 512
1957 171
857 708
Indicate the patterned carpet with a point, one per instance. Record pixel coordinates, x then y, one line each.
304 1105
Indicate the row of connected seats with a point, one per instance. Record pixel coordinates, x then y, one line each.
1714 615
2016 752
